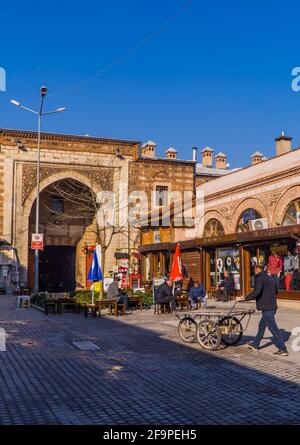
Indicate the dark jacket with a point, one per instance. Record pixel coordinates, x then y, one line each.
163 294
228 283
197 293
265 291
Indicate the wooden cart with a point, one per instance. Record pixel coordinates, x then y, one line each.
210 327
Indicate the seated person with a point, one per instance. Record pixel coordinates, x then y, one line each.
164 294
178 289
196 294
114 294
295 284
226 288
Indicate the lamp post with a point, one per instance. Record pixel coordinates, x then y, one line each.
39 114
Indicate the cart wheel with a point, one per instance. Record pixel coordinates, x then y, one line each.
187 329
209 334
235 330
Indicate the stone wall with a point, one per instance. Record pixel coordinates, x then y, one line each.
268 187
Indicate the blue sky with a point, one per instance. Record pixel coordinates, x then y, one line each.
219 74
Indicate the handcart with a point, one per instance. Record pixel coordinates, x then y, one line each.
210 327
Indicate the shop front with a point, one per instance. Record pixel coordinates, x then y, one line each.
277 249
156 260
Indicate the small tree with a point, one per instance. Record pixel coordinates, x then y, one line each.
100 210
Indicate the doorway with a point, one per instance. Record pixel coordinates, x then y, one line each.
57 269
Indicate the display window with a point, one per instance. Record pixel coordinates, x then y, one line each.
222 259
281 260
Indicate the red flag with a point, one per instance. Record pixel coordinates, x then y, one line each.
176 270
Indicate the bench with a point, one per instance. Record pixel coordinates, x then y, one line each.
183 302
50 305
66 301
137 301
113 307
162 308
90 309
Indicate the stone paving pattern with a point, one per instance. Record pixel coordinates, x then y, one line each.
141 374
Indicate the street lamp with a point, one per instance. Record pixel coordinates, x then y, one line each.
43 92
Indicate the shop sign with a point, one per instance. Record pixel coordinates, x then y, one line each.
276 231
156 236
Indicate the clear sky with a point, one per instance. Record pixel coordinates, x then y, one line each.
217 74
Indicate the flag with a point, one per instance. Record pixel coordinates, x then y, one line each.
176 270
95 273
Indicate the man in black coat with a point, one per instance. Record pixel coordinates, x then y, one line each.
163 294
265 291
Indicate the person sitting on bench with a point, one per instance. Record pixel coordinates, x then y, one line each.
114 294
226 287
196 294
163 294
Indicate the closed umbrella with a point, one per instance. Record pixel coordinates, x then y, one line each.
95 273
176 269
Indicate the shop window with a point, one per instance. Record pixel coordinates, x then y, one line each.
244 224
228 259
213 228
292 215
281 260
224 259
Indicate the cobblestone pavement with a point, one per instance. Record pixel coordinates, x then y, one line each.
141 374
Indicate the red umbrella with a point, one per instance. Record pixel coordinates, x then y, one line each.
176 270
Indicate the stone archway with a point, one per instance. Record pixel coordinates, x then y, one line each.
283 203
24 220
249 203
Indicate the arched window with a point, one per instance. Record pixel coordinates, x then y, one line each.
292 215
213 228
244 221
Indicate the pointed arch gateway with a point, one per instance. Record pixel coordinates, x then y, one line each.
65 227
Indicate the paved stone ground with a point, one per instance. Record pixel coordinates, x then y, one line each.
141 374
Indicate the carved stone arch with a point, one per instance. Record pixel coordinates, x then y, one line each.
212 214
54 178
283 204
248 203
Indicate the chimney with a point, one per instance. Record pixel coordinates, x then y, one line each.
148 149
283 144
171 153
257 157
195 152
207 157
221 159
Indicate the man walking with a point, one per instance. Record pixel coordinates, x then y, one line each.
265 290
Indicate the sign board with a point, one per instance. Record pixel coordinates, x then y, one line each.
156 236
37 241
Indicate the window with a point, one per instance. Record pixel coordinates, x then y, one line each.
292 215
213 228
161 195
57 205
248 215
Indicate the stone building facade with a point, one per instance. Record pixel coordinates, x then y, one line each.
96 163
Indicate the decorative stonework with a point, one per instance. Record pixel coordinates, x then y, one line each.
99 177
226 213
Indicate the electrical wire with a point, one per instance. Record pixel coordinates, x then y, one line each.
120 59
